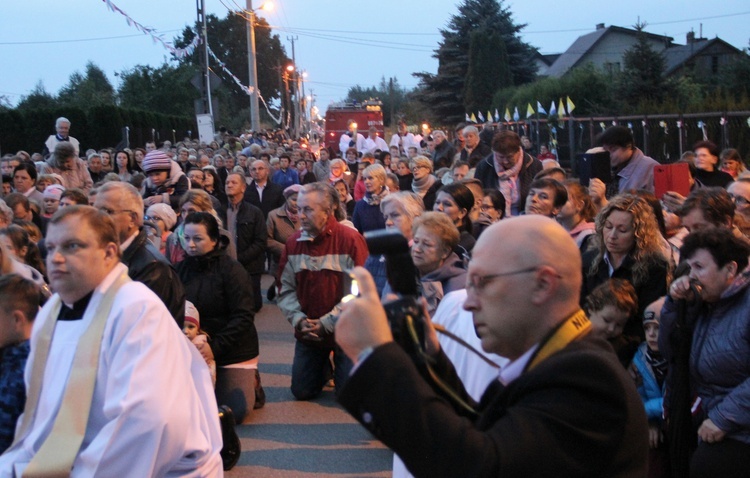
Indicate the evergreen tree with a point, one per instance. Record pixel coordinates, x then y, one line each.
488 70
642 79
444 92
88 90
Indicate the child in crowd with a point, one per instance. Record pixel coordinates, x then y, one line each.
609 306
192 330
19 302
649 369
52 195
166 182
164 217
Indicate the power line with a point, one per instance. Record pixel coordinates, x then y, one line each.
46 42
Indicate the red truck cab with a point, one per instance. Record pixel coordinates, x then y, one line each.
366 114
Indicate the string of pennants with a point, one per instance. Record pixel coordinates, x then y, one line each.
187 51
155 36
559 109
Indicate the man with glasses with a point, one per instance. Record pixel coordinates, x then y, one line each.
510 170
562 406
122 202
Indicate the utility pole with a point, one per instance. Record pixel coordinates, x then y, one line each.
295 128
206 93
252 70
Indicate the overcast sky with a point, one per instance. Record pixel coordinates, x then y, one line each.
339 43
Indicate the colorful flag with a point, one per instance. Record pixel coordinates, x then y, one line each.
497 116
552 109
540 109
489 116
467 117
516 116
473 118
561 108
529 111
507 114
481 117
571 106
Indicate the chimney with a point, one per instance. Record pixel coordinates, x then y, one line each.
600 26
690 37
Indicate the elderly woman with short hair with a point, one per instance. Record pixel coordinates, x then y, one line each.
399 211
73 169
424 183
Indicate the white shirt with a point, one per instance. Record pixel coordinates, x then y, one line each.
371 144
475 373
153 411
346 139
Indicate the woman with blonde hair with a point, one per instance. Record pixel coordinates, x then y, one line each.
627 246
424 183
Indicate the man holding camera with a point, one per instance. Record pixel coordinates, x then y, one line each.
563 406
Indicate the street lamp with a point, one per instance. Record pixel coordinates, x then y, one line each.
251 64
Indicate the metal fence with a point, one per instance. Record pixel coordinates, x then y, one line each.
663 137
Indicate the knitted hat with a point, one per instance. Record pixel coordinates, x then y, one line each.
53 191
164 212
293 189
191 314
156 160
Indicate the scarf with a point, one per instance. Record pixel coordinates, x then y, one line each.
506 183
374 199
421 186
658 364
294 217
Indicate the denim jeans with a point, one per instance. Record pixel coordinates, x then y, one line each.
311 369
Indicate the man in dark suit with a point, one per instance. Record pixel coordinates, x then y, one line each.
261 192
562 406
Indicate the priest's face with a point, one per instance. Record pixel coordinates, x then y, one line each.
77 260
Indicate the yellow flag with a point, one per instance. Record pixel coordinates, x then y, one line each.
529 111
561 108
473 118
571 106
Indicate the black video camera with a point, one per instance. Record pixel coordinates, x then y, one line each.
405 314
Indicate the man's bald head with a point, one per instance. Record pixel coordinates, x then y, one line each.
525 278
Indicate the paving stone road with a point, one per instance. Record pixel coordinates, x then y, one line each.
288 438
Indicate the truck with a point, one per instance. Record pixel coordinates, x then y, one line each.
366 114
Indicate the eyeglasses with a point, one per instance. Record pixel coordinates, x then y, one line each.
112 212
419 167
478 283
739 200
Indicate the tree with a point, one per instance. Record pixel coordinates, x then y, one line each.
165 89
89 90
39 98
488 70
227 38
444 92
642 79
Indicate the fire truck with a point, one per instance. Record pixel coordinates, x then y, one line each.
365 114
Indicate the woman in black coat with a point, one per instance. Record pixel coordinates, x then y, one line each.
219 287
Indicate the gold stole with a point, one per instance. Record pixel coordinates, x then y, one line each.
58 451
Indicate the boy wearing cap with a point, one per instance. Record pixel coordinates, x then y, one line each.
166 181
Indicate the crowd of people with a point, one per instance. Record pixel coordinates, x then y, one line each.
663 282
